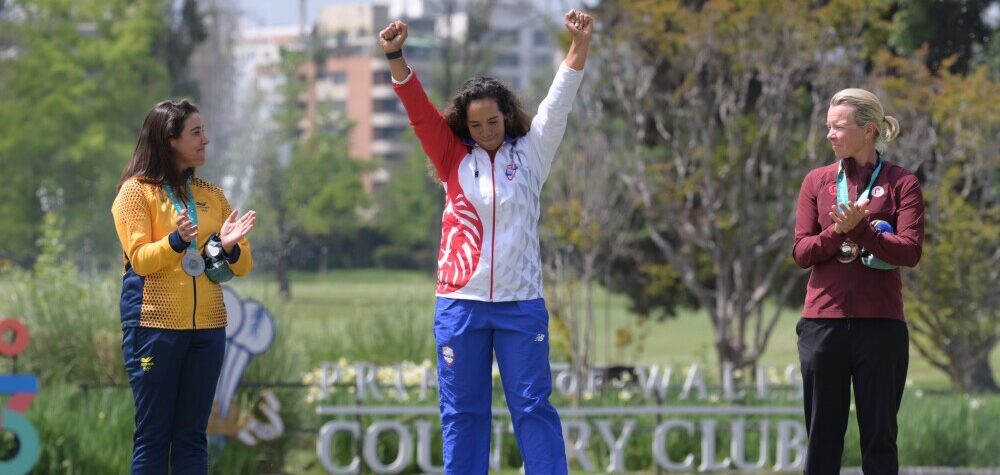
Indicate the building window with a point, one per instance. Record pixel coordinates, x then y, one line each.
386 105
541 37
512 81
508 60
382 77
419 53
506 37
543 60
336 77
336 106
388 133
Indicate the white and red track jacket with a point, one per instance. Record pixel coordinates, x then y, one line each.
489 229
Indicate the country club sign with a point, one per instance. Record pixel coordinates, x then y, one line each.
697 412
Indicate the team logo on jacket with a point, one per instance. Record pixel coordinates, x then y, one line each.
511 171
448 354
146 363
878 191
461 243
832 190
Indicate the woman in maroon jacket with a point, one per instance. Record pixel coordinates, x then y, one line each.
857 220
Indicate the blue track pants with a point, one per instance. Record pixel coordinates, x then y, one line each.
467 333
173 374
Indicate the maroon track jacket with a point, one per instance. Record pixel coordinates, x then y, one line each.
838 290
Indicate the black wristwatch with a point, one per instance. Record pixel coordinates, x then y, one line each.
214 250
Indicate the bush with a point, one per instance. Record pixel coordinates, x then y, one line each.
388 335
72 318
76 344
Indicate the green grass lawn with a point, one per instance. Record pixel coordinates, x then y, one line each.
324 305
393 311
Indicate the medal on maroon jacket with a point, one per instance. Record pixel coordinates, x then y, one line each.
849 250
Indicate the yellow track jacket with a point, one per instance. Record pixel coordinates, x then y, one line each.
156 292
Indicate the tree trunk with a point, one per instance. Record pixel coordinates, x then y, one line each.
284 287
976 377
982 378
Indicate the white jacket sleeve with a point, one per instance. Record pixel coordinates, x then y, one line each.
549 125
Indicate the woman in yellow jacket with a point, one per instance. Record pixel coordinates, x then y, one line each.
173 317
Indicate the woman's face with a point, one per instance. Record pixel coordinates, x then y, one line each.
845 136
189 148
485 123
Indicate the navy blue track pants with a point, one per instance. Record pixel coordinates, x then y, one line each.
173 374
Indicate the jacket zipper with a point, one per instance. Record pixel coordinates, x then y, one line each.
493 241
194 310
850 267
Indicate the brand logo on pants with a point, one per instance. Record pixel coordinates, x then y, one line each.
146 362
540 337
449 355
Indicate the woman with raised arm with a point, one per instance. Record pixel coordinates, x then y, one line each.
857 220
492 160
180 239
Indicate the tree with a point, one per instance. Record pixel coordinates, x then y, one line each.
306 182
185 31
950 137
214 80
725 101
946 27
409 213
75 83
462 57
584 211
952 303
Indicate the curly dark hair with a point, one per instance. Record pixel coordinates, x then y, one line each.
515 120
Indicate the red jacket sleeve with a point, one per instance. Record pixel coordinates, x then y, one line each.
438 141
813 244
905 246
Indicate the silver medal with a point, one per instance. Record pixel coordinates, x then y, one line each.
192 263
848 252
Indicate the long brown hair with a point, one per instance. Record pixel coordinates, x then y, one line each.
516 120
153 159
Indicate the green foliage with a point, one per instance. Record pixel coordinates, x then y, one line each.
945 28
409 213
305 181
83 431
186 30
324 189
71 100
84 411
71 316
402 332
952 135
940 431
952 302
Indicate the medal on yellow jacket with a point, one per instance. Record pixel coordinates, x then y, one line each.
158 290
192 263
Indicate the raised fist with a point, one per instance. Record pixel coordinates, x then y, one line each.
579 24
393 37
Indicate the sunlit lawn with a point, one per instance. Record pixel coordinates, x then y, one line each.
323 304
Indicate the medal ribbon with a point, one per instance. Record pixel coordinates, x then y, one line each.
178 206
842 194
